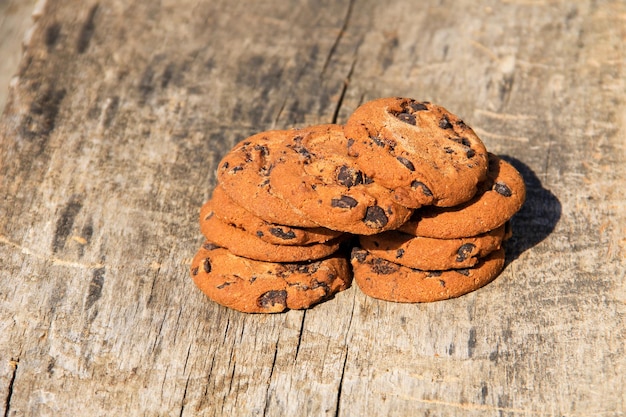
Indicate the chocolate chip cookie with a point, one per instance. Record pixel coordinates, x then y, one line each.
250 246
229 212
385 280
498 199
244 173
431 254
424 153
265 287
319 178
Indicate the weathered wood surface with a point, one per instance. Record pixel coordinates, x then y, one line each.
109 143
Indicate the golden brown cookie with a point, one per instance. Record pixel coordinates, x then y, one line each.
233 214
498 199
244 172
389 281
250 246
424 153
319 179
431 254
265 287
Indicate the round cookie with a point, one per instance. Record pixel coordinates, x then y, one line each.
233 214
245 244
244 175
497 200
431 254
265 287
426 154
388 281
321 180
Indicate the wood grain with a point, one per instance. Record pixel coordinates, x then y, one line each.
108 147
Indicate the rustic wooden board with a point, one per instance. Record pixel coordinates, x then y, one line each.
108 146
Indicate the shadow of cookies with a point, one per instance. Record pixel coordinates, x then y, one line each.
538 216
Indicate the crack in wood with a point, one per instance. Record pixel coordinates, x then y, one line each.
346 82
342 30
340 387
269 378
300 336
7 403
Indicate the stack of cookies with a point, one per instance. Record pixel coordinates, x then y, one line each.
406 184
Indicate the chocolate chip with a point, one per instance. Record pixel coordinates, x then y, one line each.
344 202
226 284
383 267
502 189
417 184
280 233
378 141
194 271
349 177
359 254
262 149
260 233
464 251
399 253
464 271
448 149
470 153
415 106
462 141
367 180
236 169
408 164
206 265
209 246
444 123
406 118
375 217
350 143
273 297
431 274
442 283
225 165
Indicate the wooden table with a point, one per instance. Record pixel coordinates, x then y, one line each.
108 147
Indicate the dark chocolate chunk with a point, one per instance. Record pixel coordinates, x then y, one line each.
209 246
273 297
224 285
464 271
225 165
344 202
502 189
349 177
367 180
358 254
260 233
194 271
444 123
415 106
262 149
470 153
417 184
375 217
464 251
408 164
378 141
406 118
431 274
236 169
399 253
279 232
383 267
206 265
